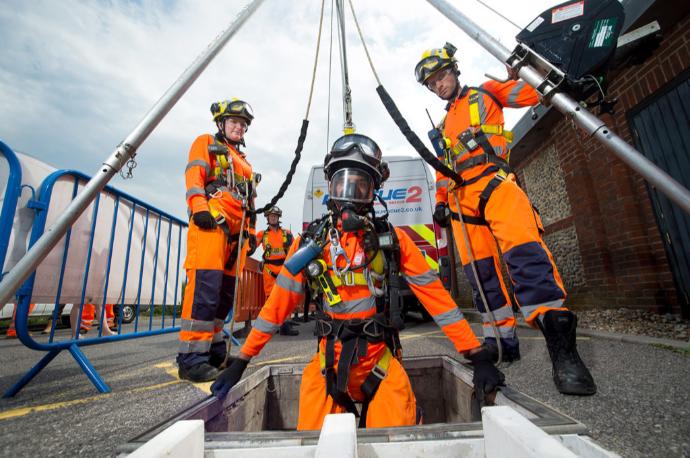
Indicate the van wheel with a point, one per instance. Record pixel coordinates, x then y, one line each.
127 312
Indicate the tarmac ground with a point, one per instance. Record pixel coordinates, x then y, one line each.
642 408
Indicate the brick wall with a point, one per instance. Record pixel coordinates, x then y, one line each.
620 247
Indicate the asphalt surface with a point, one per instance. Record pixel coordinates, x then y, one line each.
642 408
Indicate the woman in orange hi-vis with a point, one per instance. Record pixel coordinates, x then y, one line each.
220 190
496 212
351 253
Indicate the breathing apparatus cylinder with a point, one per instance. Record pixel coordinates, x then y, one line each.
303 256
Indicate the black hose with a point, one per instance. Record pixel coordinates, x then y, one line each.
413 139
293 166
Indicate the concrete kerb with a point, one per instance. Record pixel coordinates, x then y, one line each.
473 315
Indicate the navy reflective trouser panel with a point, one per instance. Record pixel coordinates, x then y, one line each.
203 316
512 225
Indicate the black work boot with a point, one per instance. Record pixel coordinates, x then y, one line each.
286 330
216 360
202 372
570 374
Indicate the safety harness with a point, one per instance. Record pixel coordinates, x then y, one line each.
355 334
469 141
269 250
225 179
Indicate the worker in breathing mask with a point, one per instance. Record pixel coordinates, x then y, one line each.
495 210
355 262
220 195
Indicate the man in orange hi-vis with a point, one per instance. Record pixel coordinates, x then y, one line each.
220 193
348 255
495 210
275 241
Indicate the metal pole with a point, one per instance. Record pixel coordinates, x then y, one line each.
124 152
348 127
569 107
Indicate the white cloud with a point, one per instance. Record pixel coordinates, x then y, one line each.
76 77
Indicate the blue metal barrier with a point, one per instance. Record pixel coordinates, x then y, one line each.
73 343
9 204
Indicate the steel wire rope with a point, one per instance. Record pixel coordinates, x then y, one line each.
498 14
303 130
330 72
419 147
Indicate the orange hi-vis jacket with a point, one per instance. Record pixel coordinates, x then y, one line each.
481 111
359 302
205 168
275 243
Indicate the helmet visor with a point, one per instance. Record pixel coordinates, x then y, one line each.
351 185
369 150
427 66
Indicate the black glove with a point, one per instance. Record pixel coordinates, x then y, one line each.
204 220
252 244
487 378
441 215
229 377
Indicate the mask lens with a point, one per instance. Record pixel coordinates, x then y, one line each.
351 185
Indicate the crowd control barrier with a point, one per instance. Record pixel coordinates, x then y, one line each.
9 202
120 251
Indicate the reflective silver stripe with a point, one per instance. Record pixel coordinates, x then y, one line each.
442 183
354 306
194 346
422 279
527 310
199 163
217 337
482 107
499 314
451 316
266 326
504 332
512 97
290 284
196 325
218 323
195 192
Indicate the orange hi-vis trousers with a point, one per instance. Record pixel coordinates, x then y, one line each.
514 226
393 405
211 265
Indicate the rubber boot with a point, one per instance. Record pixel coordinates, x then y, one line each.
570 374
202 372
286 330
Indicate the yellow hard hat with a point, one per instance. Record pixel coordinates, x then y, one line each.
232 107
434 60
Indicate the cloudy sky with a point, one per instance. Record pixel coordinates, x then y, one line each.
77 76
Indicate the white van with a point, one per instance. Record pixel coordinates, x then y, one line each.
409 195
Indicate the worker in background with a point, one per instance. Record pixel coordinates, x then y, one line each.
275 241
495 210
220 190
349 255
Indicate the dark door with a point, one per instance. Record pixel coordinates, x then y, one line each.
661 127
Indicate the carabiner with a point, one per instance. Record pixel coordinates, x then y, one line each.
337 251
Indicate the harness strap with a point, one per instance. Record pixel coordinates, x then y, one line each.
372 382
486 158
477 221
499 178
274 262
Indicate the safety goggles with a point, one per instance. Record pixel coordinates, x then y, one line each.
430 65
369 150
351 185
238 107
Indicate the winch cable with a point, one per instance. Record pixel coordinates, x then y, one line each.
303 130
432 160
400 121
348 126
330 72
498 14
